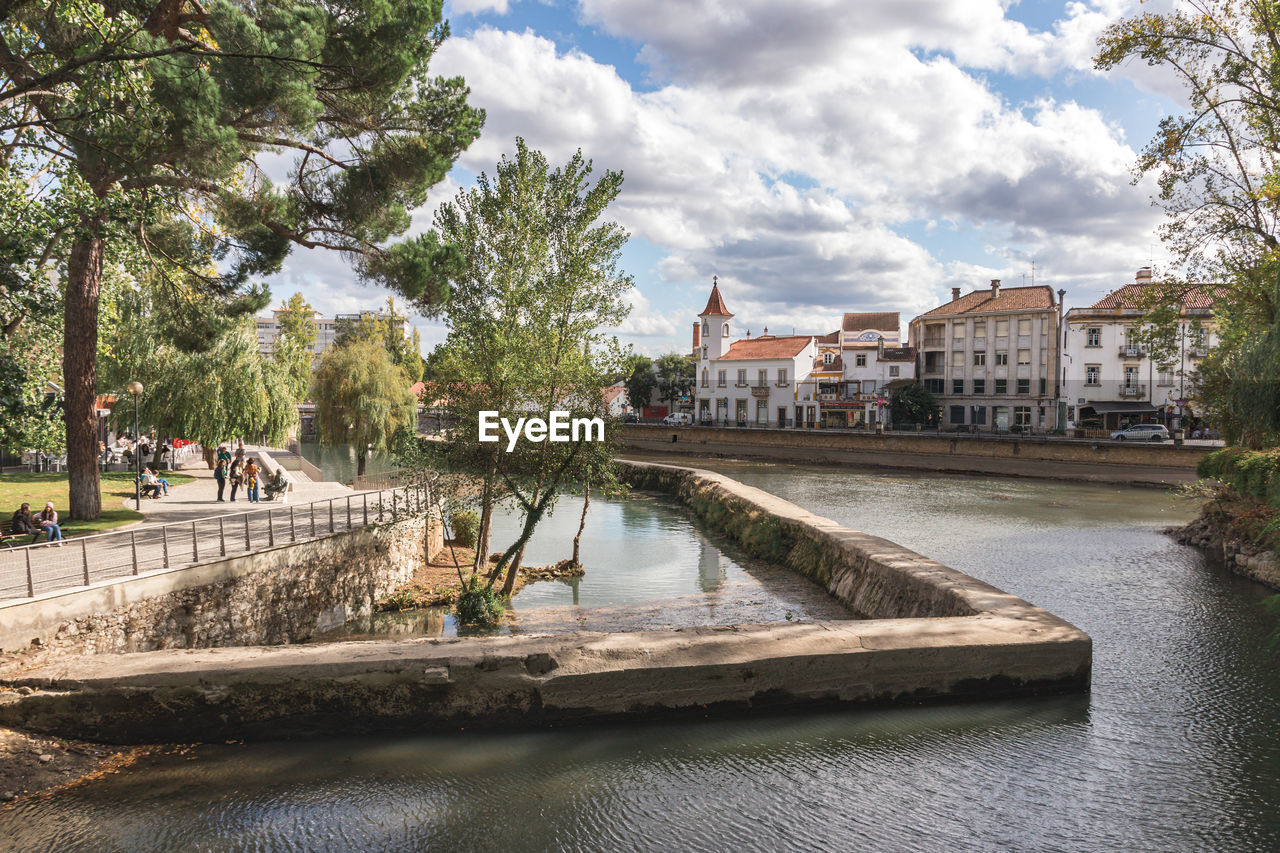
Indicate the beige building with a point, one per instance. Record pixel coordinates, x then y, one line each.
990 358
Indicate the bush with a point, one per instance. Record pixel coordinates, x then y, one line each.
465 526
1250 472
478 605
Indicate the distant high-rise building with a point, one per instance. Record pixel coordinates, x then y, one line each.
327 329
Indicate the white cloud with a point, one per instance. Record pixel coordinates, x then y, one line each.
476 7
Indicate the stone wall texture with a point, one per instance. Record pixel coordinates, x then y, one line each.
278 595
1145 464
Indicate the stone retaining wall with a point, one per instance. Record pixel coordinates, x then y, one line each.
937 635
1098 461
278 595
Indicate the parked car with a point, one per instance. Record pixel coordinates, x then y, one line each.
678 419
1142 432
631 418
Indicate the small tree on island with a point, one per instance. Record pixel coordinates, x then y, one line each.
536 284
362 400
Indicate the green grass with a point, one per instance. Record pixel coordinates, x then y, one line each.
36 489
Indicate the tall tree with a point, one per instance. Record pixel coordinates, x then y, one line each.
362 399
388 329
641 381
676 374
537 283
1218 169
295 345
151 117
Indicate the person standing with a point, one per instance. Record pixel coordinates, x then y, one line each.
237 473
48 521
251 472
220 470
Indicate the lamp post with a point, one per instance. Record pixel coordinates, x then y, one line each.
135 388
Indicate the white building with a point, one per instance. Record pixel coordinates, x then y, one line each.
871 362
752 380
327 329
990 357
1108 376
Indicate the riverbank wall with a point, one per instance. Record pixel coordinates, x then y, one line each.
279 594
1222 531
1146 464
936 635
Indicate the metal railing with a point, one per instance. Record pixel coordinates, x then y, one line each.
29 570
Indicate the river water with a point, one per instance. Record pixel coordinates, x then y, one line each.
1176 748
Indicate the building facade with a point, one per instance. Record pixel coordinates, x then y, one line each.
990 358
1109 378
857 367
327 329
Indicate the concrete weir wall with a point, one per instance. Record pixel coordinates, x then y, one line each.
935 635
276 595
1147 464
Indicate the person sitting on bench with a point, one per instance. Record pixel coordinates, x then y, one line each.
278 484
150 487
23 524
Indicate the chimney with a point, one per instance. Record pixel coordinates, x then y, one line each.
748 334
995 288
697 336
1143 276
766 332
1062 298
955 294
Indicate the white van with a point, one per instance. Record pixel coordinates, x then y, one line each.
678 419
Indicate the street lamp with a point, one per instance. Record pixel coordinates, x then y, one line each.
135 388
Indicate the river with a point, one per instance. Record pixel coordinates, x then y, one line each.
1176 748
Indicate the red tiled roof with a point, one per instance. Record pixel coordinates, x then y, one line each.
1192 296
836 365
1010 299
766 346
612 393
884 321
715 304
898 354
832 338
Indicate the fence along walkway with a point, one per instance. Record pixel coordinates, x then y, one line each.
29 570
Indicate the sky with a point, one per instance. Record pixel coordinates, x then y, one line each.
818 156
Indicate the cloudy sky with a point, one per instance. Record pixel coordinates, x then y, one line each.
819 156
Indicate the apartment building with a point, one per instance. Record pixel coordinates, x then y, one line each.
1109 378
327 329
990 357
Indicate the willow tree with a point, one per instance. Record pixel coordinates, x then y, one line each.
156 119
536 286
362 399
294 349
1217 169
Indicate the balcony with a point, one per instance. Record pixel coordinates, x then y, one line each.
1132 390
1131 352
934 342
1198 351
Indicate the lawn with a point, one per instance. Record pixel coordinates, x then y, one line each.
36 489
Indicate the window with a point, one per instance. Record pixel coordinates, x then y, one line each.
979 359
957 414
868 386
1024 326
979 330
706 329
1093 337
1024 386
934 386
762 412
782 377
1043 385
1002 358
725 333
1002 328
704 350
957 331
1024 356
895 370
1165 376
1091 372
957 358
704 377
1044 326
742 380
720 380
826 358
957 386
722 409
762 378
1022 416
740 411
979 387
980 415
860 359
1002 386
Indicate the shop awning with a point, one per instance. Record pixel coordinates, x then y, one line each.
1125 408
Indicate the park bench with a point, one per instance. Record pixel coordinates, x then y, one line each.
7 536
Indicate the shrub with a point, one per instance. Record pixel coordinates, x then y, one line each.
465 526
478 605
1250 472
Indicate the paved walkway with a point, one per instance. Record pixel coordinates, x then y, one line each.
199 499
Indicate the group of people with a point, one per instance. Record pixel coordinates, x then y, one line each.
45 521
126 447
241 471
153 485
